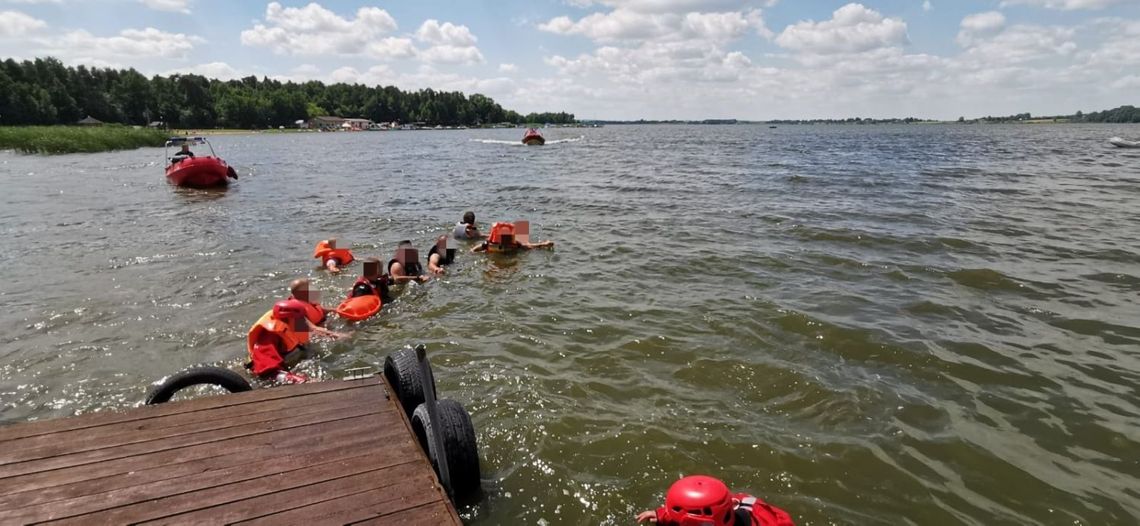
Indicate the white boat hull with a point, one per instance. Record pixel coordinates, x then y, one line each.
1123 143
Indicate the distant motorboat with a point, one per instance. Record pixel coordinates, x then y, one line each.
533 138
1123 143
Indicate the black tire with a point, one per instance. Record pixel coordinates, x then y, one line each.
459 438
403 374
225 378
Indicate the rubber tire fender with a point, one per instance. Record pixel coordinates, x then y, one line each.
459 437
402 371
225 378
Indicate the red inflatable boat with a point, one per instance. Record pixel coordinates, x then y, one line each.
533 138
185 168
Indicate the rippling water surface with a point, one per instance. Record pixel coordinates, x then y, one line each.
865 325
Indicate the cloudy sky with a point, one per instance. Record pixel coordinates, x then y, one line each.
629 59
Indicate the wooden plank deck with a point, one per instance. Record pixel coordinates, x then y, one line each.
335 452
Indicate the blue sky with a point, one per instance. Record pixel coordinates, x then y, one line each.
628 59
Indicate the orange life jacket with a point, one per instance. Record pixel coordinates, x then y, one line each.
315 313
325 253
290 339
498 230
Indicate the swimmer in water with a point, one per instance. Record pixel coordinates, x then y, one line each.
406 266
439 256
332 258
700 500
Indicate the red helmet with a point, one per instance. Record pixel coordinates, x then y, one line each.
289 309
697 500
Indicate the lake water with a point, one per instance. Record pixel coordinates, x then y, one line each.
863 325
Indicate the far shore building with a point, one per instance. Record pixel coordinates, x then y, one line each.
325 123
89 121
357 124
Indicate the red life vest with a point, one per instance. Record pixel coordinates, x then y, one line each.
763 514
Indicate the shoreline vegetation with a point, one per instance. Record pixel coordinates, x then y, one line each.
77 139
1122 114
44 92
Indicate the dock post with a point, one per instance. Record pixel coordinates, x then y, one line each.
433 418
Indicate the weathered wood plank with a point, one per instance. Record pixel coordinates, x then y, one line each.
280 439
134 495
274 504
175 504
87 457
107 434
13 431
369 504
342 399
429 514
352 434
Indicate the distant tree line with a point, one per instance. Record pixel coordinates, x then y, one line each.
44 91
1121 114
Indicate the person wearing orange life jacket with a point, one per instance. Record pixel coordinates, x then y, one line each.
502 239
700 500
439 255
277 341
406 266
299 289
331 257
372 282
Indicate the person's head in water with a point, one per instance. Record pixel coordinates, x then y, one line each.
331 242
372 268
406 254
441 245
299 289
469 217
506 242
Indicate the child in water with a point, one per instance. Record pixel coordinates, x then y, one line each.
332 258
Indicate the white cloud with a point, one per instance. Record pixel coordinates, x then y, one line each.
391 47
432 32
177 6
1021 43
212 70
979 25
1065 5
15 23
625 24
853 28
449 43
927 6
452 55
314 30
508 68
666 6
128 44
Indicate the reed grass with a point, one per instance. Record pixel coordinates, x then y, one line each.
77 139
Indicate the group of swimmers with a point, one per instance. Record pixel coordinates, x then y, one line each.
277 342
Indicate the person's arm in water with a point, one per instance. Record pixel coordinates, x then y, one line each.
540 244
481 247
325 332
647 516
433 264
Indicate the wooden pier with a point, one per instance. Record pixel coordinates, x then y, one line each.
334 452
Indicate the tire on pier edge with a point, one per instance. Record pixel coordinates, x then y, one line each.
224 378
402 371
459 438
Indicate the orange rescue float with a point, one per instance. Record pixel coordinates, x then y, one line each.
360 307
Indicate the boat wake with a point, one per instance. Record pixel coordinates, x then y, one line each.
519 143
